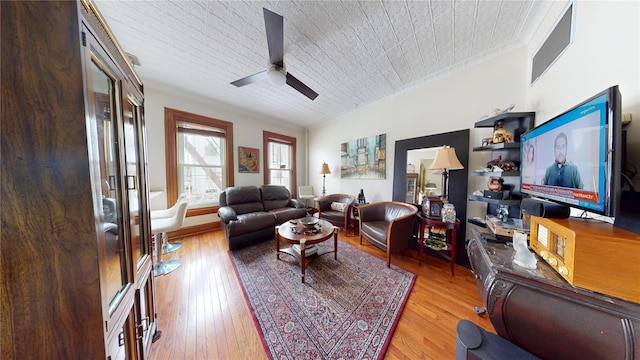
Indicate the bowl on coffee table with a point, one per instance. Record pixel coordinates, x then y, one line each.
309 221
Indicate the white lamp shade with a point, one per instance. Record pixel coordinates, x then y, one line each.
446 159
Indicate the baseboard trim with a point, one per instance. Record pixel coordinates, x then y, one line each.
194 230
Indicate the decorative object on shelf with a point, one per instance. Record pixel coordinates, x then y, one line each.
497 165
432 207
497 111
448 213
437 245
500 135
523 256
361 198
494 184
248 160
503 213
325 170
446 160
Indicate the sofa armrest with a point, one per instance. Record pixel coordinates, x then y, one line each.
401 232
295 203
226 214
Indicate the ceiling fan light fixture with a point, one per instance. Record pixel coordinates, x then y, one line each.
276 75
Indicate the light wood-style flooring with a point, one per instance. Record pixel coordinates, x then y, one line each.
202 312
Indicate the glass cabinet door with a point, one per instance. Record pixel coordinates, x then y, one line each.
133 181
104 90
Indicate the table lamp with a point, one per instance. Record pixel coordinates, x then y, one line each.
446 160
325 170
430 186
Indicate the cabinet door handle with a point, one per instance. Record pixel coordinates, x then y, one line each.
112 182
142 327
132 182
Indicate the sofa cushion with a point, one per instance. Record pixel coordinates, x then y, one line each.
376 232
243 199
275 197
285 214
251 222
335 217
339 206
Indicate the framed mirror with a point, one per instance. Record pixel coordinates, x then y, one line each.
458 179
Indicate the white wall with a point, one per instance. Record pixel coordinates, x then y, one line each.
605 52
247 131
452 103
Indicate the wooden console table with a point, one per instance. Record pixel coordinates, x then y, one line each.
545 315
427 224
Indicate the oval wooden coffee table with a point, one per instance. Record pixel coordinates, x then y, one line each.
294 233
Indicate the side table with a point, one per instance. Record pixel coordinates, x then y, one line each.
354 218
449 252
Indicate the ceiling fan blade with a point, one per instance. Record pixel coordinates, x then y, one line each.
250 79
298 85
273 24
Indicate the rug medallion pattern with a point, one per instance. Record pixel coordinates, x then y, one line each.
346 309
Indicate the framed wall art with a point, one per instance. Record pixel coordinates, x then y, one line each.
364 158
248 160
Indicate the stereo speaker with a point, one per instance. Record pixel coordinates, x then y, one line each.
544 209
628 216
499 195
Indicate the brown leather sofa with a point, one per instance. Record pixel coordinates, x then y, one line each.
337 218
249 214
388 225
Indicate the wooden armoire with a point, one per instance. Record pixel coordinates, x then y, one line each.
76 259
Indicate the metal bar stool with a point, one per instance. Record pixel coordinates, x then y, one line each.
160 226
168 213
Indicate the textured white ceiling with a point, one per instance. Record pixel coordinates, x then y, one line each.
352 53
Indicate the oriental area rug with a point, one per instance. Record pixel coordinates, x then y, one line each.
347 308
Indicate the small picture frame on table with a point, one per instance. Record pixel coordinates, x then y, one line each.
432 207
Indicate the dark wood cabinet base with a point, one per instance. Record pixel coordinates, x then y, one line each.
542 313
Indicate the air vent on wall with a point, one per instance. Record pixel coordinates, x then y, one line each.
556 42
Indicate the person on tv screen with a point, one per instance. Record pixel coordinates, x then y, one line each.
562 173
528 167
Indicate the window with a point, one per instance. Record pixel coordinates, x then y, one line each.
199 159
280 160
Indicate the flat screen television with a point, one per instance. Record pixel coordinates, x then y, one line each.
575 158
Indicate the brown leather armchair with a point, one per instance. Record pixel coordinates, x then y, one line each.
388 225
338 217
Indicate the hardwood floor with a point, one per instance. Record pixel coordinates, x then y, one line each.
202 312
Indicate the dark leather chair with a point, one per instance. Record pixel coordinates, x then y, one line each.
339 218
474 342
387 225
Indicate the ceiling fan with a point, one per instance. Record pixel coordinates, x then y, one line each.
276 71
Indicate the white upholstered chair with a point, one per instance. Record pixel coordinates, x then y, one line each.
305 193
